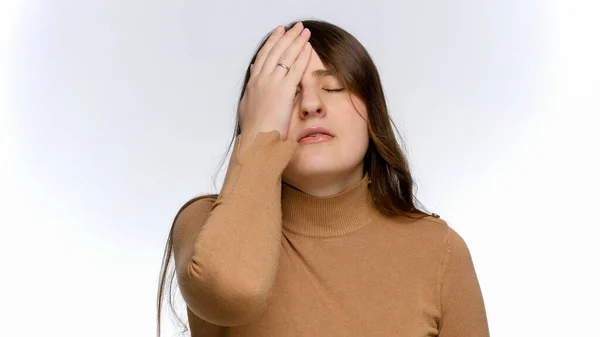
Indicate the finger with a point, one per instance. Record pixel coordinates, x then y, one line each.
281 45
299 67
291 54
266 48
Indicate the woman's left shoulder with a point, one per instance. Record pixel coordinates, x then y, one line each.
427 226
440 230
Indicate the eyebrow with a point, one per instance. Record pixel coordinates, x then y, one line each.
322 73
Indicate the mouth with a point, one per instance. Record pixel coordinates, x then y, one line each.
315 138
315 134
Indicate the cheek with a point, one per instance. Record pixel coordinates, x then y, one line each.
359 142
355 140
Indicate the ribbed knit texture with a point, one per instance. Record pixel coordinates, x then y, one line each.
337 215
341 268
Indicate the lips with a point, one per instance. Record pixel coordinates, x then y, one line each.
315 129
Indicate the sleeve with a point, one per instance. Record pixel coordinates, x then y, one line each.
462 306
227 250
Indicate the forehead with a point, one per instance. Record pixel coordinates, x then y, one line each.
315 61
316 70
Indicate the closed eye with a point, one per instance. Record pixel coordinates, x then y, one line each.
328 90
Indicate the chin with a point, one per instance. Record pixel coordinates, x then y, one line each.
311 168
315 169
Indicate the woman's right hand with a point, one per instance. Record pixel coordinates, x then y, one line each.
268 100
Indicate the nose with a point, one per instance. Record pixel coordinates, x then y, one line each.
311 105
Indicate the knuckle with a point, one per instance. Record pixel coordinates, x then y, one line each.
260 81
251 87
290 54
266 48
275 51
262 53
282 44
285 56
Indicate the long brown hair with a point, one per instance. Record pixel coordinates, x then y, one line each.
392 185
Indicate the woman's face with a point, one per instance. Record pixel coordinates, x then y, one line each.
343 114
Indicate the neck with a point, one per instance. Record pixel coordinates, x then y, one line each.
325 185
327 216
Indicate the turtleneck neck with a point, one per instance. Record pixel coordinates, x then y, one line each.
331 216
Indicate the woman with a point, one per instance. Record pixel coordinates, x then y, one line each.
315 231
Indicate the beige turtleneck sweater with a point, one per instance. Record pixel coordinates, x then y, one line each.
265 259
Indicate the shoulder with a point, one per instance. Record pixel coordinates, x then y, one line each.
427 230
442 229
439 238
423 224
437 230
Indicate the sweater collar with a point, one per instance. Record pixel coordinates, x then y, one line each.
336 215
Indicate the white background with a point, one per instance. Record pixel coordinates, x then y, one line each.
114 113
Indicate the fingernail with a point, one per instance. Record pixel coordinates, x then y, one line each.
279 29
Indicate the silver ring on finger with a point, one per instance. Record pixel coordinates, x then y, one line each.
284 66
